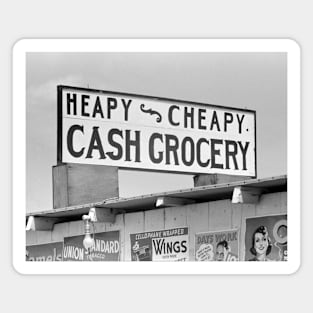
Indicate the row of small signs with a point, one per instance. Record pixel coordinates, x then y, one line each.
265 239
106 248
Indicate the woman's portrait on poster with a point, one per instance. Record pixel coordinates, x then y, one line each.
261 245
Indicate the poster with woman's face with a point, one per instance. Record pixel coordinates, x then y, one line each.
266 238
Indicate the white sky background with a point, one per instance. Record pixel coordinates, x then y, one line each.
244 80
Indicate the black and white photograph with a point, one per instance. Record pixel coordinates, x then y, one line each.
159 155
156 156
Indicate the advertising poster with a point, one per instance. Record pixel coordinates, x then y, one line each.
162 245
266 238
45 252
217 246
106 248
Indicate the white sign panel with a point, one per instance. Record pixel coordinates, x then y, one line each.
131 131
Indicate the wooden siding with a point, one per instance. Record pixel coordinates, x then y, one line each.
202 217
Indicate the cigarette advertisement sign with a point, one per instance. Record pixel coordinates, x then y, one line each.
217 246
266 238
106 248
162 245
132 131
45 252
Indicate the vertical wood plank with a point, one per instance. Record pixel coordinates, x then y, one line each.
236 223
99 227
60 231
76 228
44 237
134 223
283 202
220 215
154 220
197 221
248 210
268 204
119 225
31 238
236 215
175 217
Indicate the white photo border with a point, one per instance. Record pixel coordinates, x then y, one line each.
24 46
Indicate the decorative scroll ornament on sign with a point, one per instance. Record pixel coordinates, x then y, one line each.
151 112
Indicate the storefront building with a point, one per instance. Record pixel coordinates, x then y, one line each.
184 225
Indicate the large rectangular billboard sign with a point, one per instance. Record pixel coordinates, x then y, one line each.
133 131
